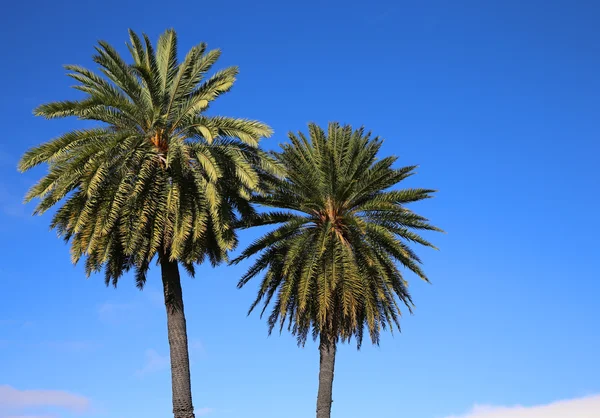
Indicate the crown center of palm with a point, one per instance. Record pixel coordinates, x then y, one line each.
159 140
332 215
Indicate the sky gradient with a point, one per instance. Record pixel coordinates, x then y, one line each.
499 104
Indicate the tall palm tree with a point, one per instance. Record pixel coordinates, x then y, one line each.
156 178
330 265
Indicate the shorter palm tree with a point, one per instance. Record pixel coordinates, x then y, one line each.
330 265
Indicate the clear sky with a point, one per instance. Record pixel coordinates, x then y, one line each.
497 101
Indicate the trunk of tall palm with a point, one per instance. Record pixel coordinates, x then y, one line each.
178 344
327 353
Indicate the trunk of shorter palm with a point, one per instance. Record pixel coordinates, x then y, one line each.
324 398
178 344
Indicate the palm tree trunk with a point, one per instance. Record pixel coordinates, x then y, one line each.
324 399
178 344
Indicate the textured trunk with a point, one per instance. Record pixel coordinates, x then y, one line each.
178 344
324 399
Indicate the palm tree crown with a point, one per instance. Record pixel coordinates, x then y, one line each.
330 265
157 176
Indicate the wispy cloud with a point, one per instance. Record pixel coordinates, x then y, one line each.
154 363
11 193
68 345
196 345
7 159
155 297
15 323
11 204
15 399
588 407
203 411
110 312
30 416
113 312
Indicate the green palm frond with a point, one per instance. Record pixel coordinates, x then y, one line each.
342 231
156 176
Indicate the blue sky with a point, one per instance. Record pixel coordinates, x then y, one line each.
497 101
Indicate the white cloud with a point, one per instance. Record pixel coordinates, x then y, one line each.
154 363
588 407
14 399
203 411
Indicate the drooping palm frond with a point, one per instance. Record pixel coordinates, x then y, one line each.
156 176
330 267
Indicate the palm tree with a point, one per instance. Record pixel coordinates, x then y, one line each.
330 265
156 178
